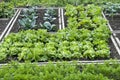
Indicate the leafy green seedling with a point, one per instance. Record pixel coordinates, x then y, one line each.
48 25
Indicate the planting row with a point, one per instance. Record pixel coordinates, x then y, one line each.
60 71
86 37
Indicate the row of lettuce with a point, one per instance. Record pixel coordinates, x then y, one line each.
60 71
86 37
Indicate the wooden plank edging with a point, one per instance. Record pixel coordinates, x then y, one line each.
7 27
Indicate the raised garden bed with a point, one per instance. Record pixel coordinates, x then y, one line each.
68 44
40 13
112 41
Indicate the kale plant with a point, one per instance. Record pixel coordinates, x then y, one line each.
49 18
28 20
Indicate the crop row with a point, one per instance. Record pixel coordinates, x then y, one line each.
60 71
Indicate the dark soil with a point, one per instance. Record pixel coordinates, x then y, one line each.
16 26
118 35
40 14
1 0
114 54
3 25
114 21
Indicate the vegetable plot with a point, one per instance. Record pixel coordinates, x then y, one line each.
60 71
33 18
85 38
94 27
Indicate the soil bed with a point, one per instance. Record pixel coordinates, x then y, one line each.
114 54
118 35
40 14
114 21
3 24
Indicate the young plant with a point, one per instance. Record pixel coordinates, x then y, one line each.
47 25
27 23
49 18
29 19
